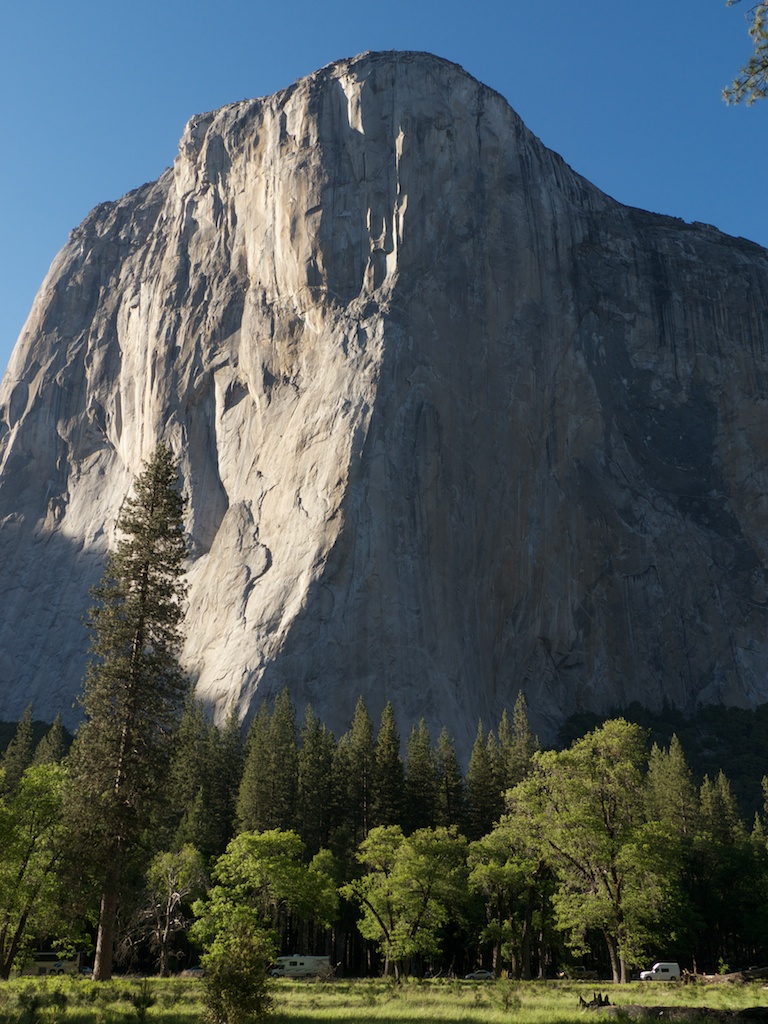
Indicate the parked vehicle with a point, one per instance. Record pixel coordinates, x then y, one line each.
41 964
193 972
300 966
578 974
662 971
479 976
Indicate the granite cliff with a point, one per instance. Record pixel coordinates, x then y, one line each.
451 422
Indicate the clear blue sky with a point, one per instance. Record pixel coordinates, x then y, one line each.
96 95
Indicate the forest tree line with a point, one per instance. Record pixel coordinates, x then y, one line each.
158 836
608 853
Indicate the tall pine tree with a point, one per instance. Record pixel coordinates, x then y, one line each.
388 779
450 784
267 795
315 783
483 798
357 749
134 688
18 755
420 780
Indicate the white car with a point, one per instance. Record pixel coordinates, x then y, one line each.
664 970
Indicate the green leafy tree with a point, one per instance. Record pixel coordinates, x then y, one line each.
587 805
134 688
174 880
259 880
751 83
412 888
33 843
507 868
237 955
266 871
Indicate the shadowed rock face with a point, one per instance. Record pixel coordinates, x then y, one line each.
451 422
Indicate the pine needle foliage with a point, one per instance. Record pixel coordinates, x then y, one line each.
134 688
751 83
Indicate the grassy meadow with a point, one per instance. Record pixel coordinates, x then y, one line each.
177 1001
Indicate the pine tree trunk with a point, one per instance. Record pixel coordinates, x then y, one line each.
105 938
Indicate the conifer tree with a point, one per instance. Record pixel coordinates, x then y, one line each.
359 751
719 810
483 798
671 796
315 782
284 762
253 794
53 746
134 688
18 754
267 795
388 779
186 779
226 755
203 783
450 784
522 745
420 780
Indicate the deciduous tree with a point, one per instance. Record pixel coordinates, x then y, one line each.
175 879
413 886
587 804
33 841
260 880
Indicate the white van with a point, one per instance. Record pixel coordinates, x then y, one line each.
662 971
298 966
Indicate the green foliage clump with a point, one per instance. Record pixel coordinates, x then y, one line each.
236 987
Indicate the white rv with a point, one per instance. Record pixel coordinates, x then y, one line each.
662 971
299 966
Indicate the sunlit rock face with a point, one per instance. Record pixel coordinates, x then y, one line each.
451 422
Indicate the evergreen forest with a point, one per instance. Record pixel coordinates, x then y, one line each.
388 856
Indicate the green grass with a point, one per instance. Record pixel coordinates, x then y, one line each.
442 1001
